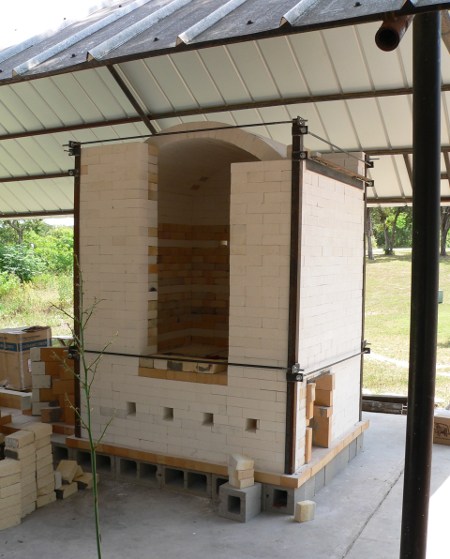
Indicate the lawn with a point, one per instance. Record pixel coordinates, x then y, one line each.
388 289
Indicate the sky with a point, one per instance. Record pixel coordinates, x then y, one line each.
22 19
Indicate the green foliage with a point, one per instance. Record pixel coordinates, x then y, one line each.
392 227
28 303
8 283
31 247
21 261
55 248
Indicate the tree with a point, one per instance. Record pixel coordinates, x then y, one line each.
445 226
369 234
392 227
12 231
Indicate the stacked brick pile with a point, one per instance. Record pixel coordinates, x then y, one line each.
20 446
323 411
45 479
53 386
241 473
72 479
32 450
10 493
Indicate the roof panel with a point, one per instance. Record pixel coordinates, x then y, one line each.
253 72
312 54
397 115
283 66
222 69
339 126
344 52
369 125
197 78
170 80
146 86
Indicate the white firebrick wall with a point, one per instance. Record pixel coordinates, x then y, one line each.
115 215
332 288
249 413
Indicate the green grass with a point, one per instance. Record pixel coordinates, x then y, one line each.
34 303
388 290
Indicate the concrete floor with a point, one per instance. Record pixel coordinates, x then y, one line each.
357 516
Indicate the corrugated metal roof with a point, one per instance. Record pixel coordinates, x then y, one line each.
238 62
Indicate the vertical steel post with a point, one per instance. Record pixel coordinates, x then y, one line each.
424 286
75 151
294 272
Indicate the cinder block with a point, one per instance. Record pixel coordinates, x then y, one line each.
239 504
304 511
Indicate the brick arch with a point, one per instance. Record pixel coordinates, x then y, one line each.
261 148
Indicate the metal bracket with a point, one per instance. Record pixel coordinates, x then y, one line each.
365 347
74 148
370 183
73 352
73 172
295 374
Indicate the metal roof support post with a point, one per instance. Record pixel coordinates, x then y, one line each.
424 287
298 129
75 151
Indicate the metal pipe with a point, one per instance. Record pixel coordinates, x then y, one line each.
294 281
424 286
391 32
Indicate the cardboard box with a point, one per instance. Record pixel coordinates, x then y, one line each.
15 345
441 429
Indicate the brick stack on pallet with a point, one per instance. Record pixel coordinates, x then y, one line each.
53 388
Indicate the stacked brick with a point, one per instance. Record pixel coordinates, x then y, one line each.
241 472
31 449
21 447
53 385
322 413
45 478
10 493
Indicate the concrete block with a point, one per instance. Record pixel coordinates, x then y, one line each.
304 511
239 504
283 499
